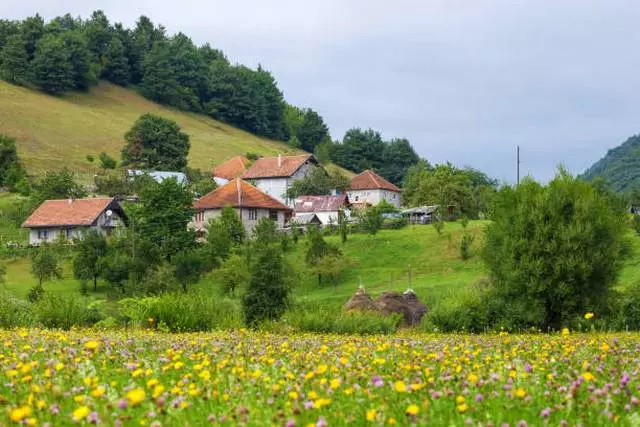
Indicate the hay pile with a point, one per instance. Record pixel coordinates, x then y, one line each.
408 304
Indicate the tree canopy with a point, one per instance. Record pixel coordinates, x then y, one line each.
154 142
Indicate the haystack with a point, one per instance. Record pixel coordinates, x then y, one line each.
361 301
407 304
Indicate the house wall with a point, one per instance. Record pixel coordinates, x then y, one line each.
103 224
245 216
375 196
277 187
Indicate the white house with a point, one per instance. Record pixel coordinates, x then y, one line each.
71 218
159 176
249 202
274 175
371 188
325 208
231 169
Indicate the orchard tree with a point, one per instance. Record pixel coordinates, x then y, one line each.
44 265
156 143
188 268
89 250
234 275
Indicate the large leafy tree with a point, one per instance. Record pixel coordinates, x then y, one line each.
45 265
89 250
116 63
51 65
156 143
83 71
360 150
397 158
554 251
317 183
8 155
14 61
57 185
32 30
312 131
164 213
99 32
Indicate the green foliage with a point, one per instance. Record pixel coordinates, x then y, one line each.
318 319
45 265
556 250
203 186
90 158
620 167
264 232
234 275
370 220
218 241
65 311
35 293
343 226
11 171
14 312
311 131
438 224
317 247
14 61
156 143
164 212
317 183
107 162
116 64
57 185
465 246
51 65
233 225
188 268
113 184
329 267
88 250
267 295
159 280
180 312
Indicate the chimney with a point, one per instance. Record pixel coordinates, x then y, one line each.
279 160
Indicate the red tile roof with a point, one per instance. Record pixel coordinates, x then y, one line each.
369 180
277 167
66 212
238 194
232 168
320 203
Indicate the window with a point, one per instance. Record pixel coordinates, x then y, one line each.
253 214
199 216
69 232
357 198
42 234
273 216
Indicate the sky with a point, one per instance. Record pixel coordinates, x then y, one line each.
464 81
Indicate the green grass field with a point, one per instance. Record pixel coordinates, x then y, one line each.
53 132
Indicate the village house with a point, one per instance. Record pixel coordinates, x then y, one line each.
274 175
325 208
72 218
247 201
369 188
158 176
231 169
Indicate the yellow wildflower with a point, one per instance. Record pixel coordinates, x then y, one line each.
521 393
413 410
565 331
335 383
588 376
136 396
588 315
462 408
371 414
19 414
98 391
92 345
400 387
81 413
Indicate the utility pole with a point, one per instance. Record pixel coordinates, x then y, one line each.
518 165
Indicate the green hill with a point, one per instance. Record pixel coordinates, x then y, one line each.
57 131
620 167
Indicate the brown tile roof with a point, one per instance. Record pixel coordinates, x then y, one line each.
320 203
238 193
232 168
369 180
276 167
78 212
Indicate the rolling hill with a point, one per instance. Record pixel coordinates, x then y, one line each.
620 167
53 132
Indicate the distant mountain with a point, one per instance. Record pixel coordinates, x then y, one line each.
620 167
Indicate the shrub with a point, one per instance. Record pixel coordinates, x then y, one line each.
318 319
438 225
395 223
465 246
554 252
65 311
35 293
14 312
179 312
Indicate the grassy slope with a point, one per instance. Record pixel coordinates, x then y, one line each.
60 131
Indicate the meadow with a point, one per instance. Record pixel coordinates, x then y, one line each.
239 377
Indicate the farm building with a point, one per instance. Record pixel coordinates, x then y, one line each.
71 218
326 208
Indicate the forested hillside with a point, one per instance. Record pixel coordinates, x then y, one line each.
72 55
620 167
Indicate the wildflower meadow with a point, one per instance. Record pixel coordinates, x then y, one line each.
242 377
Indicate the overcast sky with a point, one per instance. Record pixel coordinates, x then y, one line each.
464 81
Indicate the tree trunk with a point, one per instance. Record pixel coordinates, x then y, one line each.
95 283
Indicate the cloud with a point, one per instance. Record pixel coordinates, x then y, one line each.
464 81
